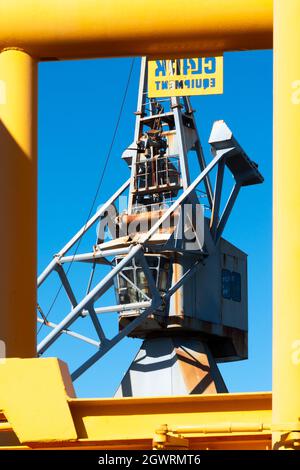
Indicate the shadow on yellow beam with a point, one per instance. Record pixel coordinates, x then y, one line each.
18 246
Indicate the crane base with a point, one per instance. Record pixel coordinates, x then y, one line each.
172 366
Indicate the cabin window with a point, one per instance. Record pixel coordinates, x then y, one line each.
226 284
231 285
160 269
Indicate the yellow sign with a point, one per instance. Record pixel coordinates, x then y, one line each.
185 77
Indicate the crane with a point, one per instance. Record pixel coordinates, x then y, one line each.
179 285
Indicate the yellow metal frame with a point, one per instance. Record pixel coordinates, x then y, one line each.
64 29
39 411
34 30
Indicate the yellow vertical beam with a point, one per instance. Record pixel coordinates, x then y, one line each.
286 296
18 123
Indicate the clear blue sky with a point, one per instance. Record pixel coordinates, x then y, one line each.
78 106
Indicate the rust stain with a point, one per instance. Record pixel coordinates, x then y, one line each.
196 372
148 219
178 294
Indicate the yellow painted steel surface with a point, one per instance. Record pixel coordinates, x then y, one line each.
129 420
98 28
33 397
38 411
286 301
56 29
18 130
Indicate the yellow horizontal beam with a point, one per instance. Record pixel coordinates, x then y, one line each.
139 418
36 397
69 29
217 442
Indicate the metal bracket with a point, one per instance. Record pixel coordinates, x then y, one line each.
164 439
